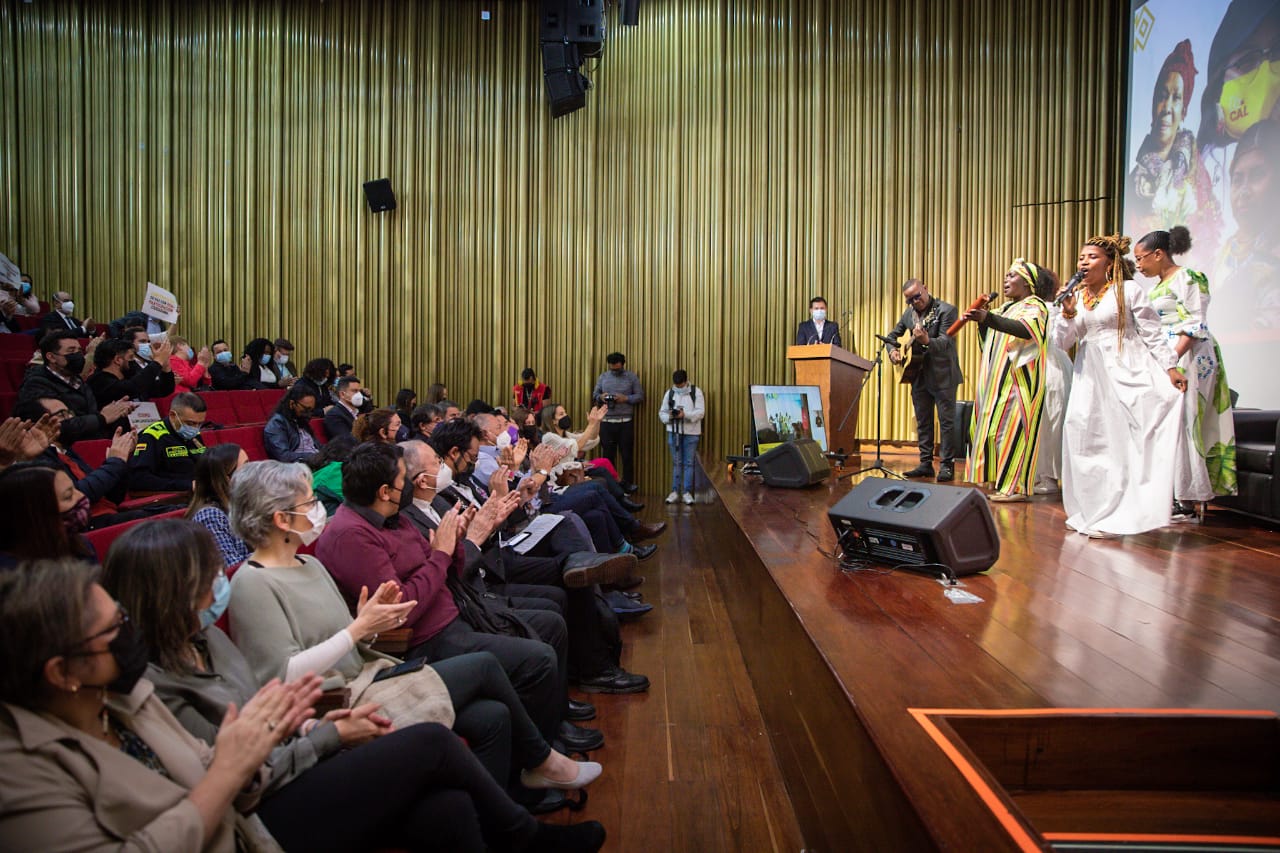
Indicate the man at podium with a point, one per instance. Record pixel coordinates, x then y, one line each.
818 329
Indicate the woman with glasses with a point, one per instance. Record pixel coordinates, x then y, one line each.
327 787
288 617
288 435
93 757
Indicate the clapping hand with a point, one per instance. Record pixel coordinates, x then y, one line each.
381 612
498 485
360 724
122 444
247 736
445 536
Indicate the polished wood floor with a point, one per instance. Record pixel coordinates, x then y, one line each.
1187 616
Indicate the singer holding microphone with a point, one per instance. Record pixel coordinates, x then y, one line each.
1010 393
1123 418
818 329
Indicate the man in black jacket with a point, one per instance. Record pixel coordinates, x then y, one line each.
935 383
348 397
60 378
119 376
60 318
167 452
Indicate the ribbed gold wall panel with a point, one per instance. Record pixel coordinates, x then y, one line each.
735 158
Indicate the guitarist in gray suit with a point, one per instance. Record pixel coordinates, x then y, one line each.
933 371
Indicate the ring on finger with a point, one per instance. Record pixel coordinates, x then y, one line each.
271 725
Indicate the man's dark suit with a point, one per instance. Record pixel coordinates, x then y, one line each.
807 334
936 384
338 421
56 322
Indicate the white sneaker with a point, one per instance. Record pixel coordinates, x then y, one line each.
688 498
673 497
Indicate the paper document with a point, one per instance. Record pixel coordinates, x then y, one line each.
143 416
536 530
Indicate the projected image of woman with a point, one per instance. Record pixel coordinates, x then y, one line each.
1248 267
1169 184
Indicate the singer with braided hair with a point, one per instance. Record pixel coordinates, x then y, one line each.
1125 398
1010 394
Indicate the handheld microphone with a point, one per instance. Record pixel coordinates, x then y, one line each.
1072 284
981 302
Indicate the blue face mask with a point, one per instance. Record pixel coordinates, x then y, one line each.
26 288
188 432
265 360
221 598
223 357
144 351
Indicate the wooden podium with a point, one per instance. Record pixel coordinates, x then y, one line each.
839 375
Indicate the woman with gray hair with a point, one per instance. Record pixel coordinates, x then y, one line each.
288 617
102 761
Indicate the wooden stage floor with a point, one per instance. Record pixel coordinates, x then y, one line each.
769 664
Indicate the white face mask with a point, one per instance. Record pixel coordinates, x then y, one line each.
357 400
282 359
444 478
503 439
318 518
68 307
819 315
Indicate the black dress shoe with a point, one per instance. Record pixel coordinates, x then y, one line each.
615 679
578 739
643 552
921 470
946 472
585 837
548 802
630 505
634 596
630 488
579 711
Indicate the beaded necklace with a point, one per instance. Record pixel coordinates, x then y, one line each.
1090 301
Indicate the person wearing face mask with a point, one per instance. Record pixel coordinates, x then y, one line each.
45 515
166 575
25 301
167 452
348 400
683 408
104 763
620 390
529 393
61 378
190 368
282 362
62 317
118 376
818 329
424 420
318 378
228 374
208 506
288 435
261 355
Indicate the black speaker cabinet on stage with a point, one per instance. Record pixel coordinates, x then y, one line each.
794 464
380 196
892 522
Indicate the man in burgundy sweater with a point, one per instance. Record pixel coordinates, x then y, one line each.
366 543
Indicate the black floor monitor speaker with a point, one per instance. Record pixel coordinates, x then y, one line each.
892 523
794 464
380 196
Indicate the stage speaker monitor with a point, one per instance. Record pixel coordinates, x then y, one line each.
794 464
894 522
380 196
566 87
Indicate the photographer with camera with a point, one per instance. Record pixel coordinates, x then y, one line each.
683 407
619 390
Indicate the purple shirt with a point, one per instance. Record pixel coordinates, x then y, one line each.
360 547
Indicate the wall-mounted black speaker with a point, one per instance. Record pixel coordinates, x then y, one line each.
379 195
794 464
892 523
566 87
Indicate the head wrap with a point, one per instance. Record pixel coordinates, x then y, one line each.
1183 63
1116 246
1025 270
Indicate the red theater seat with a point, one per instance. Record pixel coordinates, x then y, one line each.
248 437
101 539
93 451
318 430
8 399
17 346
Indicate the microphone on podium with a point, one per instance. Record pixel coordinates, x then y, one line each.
981 302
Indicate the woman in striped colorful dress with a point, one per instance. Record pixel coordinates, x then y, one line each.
1010 393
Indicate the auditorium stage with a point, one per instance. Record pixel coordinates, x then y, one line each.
1183 617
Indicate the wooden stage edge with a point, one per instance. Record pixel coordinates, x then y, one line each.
856 672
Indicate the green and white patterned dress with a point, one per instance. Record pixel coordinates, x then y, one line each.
1206 465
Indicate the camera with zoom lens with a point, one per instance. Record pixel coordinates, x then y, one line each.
608 399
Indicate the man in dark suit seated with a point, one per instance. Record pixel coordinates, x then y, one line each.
348 396
60 319
817 329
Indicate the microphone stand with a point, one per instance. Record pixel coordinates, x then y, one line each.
878 464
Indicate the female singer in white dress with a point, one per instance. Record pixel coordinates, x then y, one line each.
1206 464
1123 418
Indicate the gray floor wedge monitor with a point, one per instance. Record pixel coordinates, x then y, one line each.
893 522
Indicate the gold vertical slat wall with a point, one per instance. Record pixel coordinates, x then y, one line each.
735 158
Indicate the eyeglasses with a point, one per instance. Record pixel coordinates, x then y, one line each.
306 505
121 620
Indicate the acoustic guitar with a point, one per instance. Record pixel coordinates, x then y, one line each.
912 358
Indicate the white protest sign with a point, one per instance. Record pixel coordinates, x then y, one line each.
160 303
9 272
143 416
